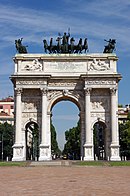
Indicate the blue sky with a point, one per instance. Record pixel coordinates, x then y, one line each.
38 20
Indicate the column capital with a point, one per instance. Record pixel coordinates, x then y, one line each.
44 90
113 90
87 91
18 91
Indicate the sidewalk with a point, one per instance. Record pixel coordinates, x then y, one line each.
64 181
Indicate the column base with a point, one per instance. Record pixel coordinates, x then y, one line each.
115 152
18 154
45 153
88 152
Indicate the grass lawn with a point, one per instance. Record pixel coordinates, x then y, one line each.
78 163
11 163
103 163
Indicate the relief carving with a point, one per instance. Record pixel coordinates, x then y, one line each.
30 105
114 151
44 151
35 66
88 152
53 93
98 66
18 151
100 103
96 105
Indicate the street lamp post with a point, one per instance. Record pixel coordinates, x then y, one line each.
2 147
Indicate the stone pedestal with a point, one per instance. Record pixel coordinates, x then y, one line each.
45 154
18 153
88 152
115 156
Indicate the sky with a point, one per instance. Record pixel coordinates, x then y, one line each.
42 19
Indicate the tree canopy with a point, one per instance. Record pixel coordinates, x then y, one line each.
124 134
6 140
72 145
54 145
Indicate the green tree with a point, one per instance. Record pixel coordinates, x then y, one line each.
7 140
54 144
72 145
128 116
120 106
124 132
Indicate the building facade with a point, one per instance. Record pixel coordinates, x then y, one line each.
123 113
7 110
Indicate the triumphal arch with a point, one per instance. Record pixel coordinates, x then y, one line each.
88 80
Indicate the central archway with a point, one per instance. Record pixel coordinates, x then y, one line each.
69 115
65 116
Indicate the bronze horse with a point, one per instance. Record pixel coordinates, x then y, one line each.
110 47
51 48
19 47
67 48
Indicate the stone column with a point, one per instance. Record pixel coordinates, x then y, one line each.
18 116
88 146
44 146
44 115
18 147
82 136
114 127
49 114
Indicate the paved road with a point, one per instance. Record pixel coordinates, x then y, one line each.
64 181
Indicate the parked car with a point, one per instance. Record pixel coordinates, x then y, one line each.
64 157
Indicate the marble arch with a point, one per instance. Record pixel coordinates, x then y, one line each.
61 97
88 80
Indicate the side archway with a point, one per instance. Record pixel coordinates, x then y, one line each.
32 140
99 140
